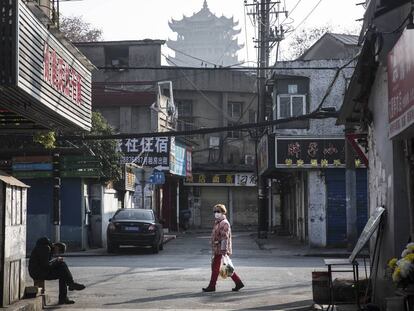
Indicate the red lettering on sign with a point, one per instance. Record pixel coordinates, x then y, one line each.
61 76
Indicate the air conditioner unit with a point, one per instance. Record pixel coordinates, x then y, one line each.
249 159
214 142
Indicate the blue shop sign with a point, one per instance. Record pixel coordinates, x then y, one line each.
157 178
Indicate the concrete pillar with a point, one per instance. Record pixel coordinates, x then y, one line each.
317 209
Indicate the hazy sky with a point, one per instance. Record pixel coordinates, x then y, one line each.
141 19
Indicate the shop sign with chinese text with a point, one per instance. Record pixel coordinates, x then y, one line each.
230 179
189 161
400 84
146 151
311 153
42 78
129 177
81 166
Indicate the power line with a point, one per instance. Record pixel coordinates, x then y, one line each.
200 71
313 115
194 57
292 10
318 113
306 17
202 94
242 69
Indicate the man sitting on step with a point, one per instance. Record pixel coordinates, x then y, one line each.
43 267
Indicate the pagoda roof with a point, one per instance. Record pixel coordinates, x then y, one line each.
204 16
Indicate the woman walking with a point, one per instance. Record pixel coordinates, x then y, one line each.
221 246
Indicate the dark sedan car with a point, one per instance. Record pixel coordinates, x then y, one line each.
137 227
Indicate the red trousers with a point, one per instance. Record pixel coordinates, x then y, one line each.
215 270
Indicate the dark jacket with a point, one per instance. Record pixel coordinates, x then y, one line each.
39 262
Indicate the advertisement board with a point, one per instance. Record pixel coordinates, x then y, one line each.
310 152
216 179
180 159
400 86
146 152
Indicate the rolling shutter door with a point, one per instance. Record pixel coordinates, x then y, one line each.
336 205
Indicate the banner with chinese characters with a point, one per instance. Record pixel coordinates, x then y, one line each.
311 153
146 151
230 179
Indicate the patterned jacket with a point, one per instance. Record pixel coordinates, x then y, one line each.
221 237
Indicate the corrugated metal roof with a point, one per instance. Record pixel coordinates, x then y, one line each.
10 180
346 39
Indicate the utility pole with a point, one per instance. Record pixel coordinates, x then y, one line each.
267 36
262 63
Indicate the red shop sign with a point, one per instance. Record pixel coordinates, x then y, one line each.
400 84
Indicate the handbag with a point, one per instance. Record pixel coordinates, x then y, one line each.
226 267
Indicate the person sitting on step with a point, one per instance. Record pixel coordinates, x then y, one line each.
42 266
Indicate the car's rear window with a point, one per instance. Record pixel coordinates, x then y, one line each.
134 214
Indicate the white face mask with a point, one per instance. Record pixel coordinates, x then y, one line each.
218 215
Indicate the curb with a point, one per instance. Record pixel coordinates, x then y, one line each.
294 252
100 252
327 255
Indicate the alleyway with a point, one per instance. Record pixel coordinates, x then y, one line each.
172 279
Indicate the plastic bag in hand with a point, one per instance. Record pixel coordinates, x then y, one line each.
226 267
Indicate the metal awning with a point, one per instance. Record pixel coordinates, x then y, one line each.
12 123
10 180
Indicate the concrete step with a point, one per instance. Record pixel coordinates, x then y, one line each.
32 304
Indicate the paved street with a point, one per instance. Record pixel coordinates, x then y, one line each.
172 279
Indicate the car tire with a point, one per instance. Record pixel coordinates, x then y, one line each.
156 248
111 248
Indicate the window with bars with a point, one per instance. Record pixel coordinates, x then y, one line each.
185 115
234 109
185 108
290 106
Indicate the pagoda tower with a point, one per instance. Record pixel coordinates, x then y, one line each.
204 40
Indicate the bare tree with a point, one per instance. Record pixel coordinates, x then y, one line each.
304 39
77 30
